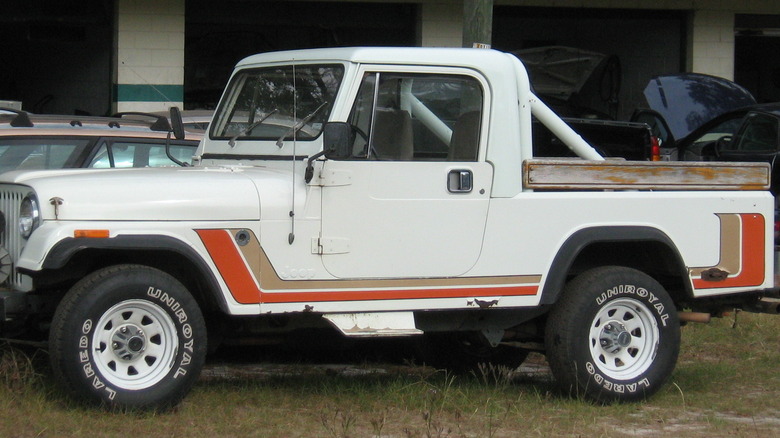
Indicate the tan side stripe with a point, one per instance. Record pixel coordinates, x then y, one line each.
741 253
275 290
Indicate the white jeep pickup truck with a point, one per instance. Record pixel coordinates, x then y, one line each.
380 192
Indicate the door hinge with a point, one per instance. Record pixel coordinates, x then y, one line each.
335 178
329 245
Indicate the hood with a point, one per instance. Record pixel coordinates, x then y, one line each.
151 194
575 82
559 71
688 100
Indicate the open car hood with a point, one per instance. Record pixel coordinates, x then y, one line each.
688 100
575 82
559 71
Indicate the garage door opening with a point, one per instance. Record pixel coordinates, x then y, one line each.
219 34
647 43
756 37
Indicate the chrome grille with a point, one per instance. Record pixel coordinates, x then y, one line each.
10 199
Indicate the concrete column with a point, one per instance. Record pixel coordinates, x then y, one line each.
442 23
711 43
149 55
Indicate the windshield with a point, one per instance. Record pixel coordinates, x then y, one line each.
40 153
287 97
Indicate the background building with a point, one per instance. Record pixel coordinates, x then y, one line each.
102 56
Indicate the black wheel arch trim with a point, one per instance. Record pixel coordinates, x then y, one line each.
63 251
577 242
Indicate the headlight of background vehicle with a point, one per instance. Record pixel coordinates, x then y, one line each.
29 215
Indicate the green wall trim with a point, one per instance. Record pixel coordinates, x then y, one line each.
149 93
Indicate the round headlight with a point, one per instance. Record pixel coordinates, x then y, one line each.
29 216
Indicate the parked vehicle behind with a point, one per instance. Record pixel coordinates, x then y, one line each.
612 139
687 108
36 142
583 87
704 118
192 120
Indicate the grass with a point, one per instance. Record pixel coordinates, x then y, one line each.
726 384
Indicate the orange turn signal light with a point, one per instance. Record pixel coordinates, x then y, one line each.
96 234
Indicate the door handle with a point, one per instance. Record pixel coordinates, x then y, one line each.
460 181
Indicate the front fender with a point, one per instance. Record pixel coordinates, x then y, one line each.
63 247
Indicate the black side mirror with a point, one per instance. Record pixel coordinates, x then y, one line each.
178 132
176 123
337 140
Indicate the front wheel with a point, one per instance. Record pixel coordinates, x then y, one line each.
613 336
128 336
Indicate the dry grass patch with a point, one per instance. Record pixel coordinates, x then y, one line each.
726 384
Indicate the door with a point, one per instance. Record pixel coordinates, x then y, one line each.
412 200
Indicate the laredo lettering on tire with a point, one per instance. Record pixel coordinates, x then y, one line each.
613 336
128 336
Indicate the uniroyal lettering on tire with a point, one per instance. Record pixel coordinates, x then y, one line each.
128 336
614 335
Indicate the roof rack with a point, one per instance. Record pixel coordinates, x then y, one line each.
22 120
160 122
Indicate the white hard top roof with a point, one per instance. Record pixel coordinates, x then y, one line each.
462 57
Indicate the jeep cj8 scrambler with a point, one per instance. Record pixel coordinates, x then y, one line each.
381 192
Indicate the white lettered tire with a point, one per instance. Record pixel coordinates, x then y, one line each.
613 336
128 336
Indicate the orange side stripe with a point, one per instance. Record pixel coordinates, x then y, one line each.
389 294
752 272
241 283
231 266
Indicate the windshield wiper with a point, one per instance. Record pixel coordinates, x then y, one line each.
297 127
232 141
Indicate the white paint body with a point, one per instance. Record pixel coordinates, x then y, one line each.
367 226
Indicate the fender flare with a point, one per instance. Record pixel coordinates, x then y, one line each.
64 250
577 242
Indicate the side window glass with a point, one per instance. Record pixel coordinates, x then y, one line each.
102 159
158 157
124 154
116 154
40 153
421 117
725 129
759 133
47 156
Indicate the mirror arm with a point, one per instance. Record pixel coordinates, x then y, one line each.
310 165
168 152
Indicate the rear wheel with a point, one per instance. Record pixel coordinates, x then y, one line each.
613 336
128 336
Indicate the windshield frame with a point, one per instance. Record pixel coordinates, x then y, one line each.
228 125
